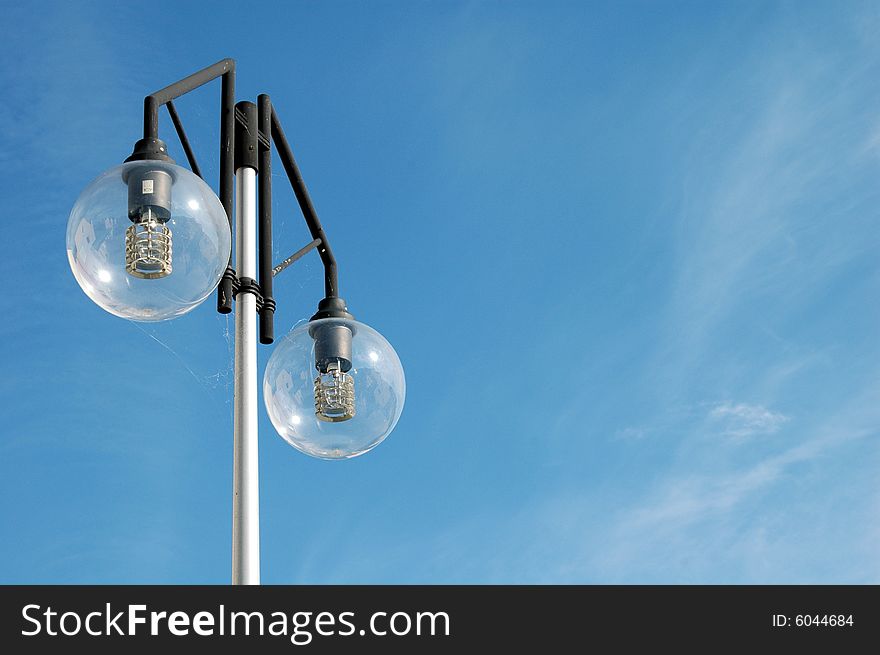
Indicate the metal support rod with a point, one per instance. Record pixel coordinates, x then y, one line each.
227 148
264 138
295 256
246 504
331 283
227 169
187 149
245 478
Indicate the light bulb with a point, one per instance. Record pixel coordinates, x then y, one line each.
148 251
334 384
148 248
334 388
334 394
120 236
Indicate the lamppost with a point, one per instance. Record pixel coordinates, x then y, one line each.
148 240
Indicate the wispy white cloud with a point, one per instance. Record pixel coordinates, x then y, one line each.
742 420
767 516
687 498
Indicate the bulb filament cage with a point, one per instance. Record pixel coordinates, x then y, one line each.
148 248
334 394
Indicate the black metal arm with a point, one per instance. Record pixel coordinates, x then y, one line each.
155 100
331 283
178 126
264 147
224 68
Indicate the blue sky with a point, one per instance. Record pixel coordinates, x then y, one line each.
627 253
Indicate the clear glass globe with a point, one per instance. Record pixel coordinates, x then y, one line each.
334 413
148 240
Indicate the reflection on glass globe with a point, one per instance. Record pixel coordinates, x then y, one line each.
334 404
148 240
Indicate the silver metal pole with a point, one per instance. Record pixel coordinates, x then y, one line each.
245 477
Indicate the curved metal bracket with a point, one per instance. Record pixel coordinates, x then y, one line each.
225 68
269 132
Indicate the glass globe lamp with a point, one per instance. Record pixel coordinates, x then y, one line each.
334 388
148 240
